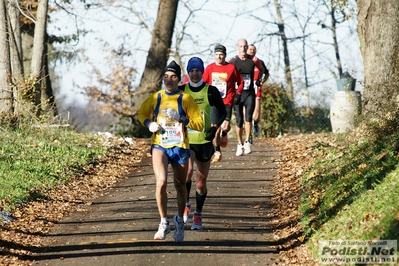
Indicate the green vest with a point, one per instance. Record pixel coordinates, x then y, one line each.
201 98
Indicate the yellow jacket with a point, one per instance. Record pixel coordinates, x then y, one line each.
151 110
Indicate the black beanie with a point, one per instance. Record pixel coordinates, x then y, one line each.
220 48
175 68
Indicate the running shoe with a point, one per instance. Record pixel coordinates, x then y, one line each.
163 229
178 234
247 147
256 129
186 212
250 139
223 141
197 222
217 157
239 150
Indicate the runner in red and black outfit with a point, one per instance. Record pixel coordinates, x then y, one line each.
246 66
226 78
258 89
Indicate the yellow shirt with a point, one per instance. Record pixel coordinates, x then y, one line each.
175 133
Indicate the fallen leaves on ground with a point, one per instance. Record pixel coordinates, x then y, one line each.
18 239
296 155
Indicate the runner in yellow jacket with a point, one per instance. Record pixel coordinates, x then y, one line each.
167 114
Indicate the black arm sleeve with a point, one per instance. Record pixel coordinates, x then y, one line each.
266 72
216 100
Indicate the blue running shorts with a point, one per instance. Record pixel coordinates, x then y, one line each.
176 155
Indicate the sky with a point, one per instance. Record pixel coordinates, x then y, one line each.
212 22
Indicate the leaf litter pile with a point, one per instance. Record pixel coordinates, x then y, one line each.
296 155
30 223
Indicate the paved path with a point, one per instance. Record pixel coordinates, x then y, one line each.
118 228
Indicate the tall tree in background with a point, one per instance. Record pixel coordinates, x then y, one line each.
38 64
13 79
304 22
338 14
5 67
378 29
333 9
15 49
281 31
181 34
158 53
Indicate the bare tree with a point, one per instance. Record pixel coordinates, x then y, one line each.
117 99
38 54
15 40
181 34
378 29
304 22
334 21
336 11
114 91
16 88
6 106
300 19
281 32
15 49
158 53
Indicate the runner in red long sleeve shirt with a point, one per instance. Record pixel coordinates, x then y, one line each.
258 89
227 79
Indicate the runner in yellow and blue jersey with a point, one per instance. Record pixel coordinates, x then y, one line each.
168 113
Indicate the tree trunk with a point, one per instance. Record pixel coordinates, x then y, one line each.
48 97
334 35
287 63
27 48
6 97
15 50
378 29
158 53
15 41
38 54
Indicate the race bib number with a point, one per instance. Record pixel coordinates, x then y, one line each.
219 81
247 81
172 133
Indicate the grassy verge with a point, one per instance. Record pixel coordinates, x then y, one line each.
38 158
373 215
352 192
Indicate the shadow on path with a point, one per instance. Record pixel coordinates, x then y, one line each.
118 228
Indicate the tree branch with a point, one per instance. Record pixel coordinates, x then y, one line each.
23 13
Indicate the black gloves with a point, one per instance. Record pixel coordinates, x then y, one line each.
237 99
258 83
210 134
